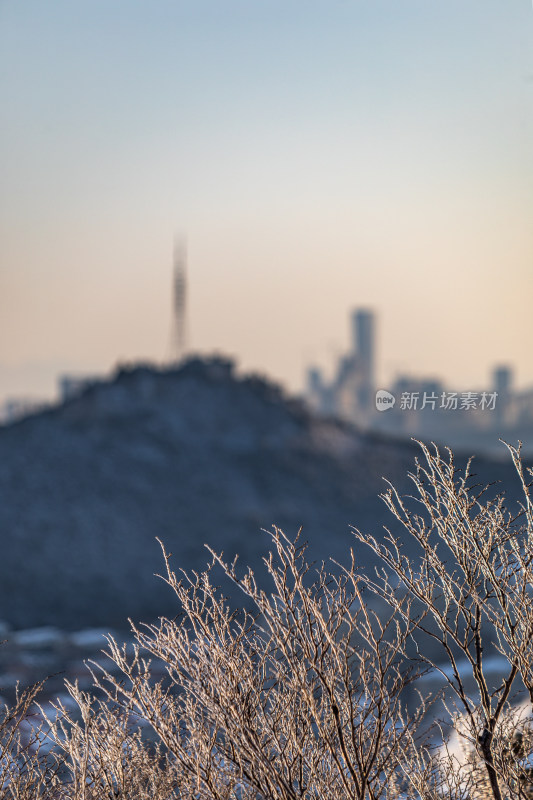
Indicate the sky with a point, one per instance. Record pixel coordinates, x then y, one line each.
315 155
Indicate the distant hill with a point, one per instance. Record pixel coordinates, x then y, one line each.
192 455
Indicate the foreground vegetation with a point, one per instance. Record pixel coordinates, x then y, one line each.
309 693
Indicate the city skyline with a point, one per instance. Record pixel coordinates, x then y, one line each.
316 157
420 405
349 388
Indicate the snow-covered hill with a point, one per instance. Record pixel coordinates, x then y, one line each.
192 455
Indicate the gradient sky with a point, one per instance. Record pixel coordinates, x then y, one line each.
317 154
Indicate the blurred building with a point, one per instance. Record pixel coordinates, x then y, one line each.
420 406
71 386
16 408
351 393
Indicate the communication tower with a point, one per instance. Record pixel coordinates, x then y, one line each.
179 302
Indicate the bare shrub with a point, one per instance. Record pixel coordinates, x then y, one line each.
472 582
25 772
103 754
301 700
316 692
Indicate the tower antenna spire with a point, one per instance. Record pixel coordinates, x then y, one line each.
179 301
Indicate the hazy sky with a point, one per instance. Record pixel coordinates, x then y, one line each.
317 155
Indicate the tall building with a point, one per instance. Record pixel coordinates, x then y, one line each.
351 393
502 381
363 340
363 350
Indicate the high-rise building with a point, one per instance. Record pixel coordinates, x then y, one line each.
363 345
351 393
363 340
